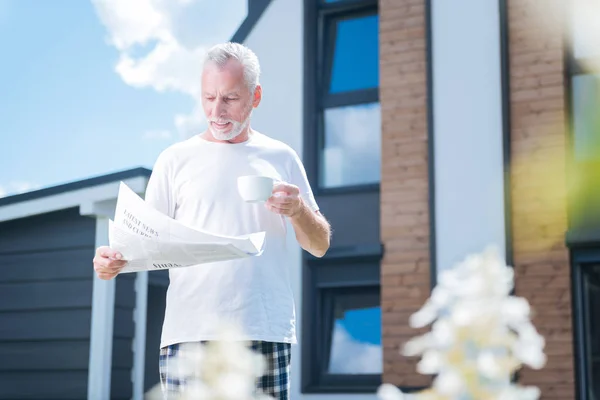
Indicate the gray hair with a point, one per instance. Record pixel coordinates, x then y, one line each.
221 53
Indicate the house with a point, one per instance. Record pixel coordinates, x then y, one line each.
429 130
64 333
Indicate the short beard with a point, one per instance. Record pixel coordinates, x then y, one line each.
236 130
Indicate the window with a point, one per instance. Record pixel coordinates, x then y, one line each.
351 151
584 132
586 119
587 322
346 107
342 344
585 86
353 329
353 54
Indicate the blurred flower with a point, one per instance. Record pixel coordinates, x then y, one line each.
450 384
480 335
390 392
226 369
430 363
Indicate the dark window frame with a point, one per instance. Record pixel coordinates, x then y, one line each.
318 61
356 267
355 255
582 258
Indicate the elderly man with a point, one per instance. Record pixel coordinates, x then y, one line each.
194 181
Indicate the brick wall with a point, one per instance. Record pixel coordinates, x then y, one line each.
539 184
405 281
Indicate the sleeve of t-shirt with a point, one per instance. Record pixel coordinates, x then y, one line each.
159 191
298 177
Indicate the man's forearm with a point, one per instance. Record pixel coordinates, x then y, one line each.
312 231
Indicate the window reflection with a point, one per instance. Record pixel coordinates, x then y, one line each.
356 55
586 118
352 151
356 335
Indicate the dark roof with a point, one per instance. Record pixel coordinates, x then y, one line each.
67 187
256 8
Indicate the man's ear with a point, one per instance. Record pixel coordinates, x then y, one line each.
257 96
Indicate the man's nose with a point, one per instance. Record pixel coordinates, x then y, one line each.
219 108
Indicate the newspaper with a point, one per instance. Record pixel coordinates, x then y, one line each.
150 240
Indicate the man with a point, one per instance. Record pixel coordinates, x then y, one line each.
194 181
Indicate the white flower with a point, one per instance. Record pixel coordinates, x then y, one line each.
233 386
519 393
529 393
487 365
197 390
515 309
389 392
465 312
431 362
226 369
424 316
480 334
529 355
443 333
440 297
417 345
449 383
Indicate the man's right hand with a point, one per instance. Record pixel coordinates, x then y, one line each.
108 263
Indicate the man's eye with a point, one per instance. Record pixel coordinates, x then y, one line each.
231 99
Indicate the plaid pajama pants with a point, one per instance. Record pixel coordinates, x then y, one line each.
275 382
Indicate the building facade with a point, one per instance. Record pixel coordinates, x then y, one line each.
429 129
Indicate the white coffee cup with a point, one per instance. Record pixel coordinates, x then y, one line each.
255 188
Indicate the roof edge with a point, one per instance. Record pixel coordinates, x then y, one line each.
256 8
76 185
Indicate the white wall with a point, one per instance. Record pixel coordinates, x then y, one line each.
469 202
277 39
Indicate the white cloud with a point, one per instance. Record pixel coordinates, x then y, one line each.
175 35
352 154
22 186
17 187
349 356
194 122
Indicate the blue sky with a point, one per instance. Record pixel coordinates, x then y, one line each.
67 112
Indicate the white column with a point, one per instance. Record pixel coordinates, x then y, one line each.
468 126
101 335
139 340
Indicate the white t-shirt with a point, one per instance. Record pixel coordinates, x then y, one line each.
195 182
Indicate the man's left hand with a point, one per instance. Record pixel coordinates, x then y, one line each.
285 200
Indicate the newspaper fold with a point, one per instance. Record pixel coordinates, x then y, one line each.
150 240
